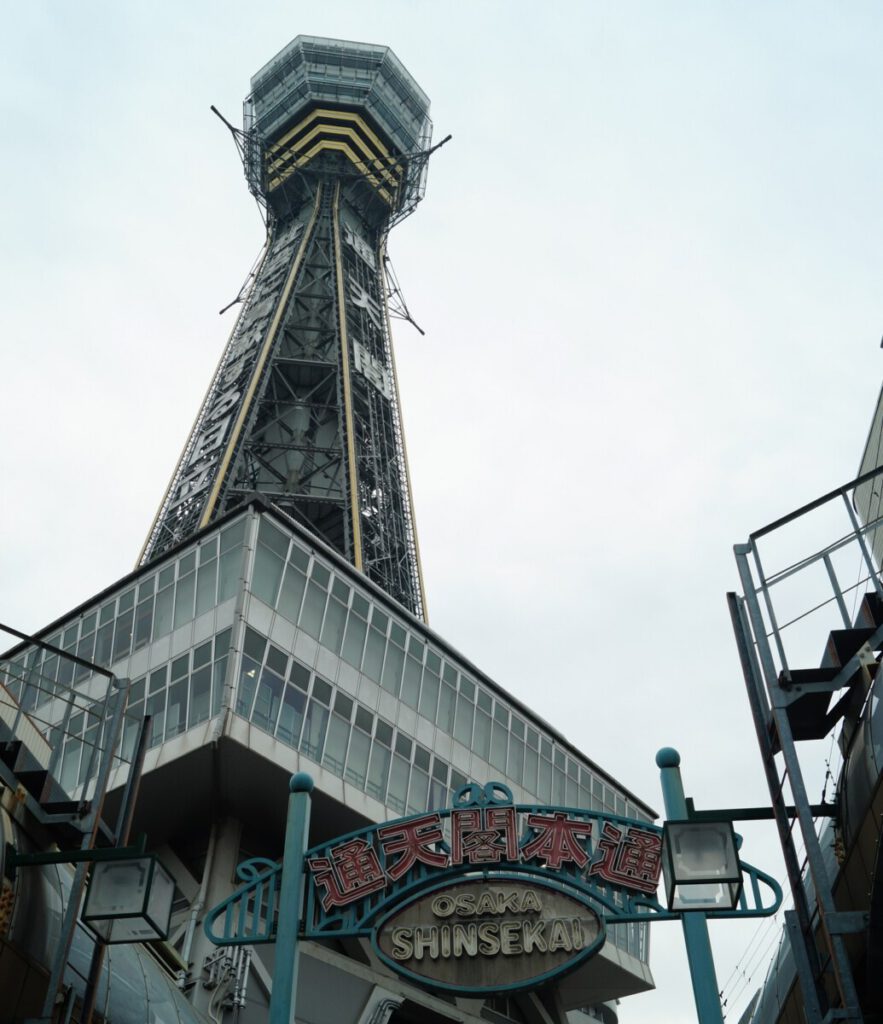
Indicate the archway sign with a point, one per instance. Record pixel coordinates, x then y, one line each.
485 896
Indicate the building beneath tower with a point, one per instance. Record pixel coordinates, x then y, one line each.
276 620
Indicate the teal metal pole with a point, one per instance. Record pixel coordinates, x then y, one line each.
705 987
297 830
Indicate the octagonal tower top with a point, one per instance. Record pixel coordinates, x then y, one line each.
356 98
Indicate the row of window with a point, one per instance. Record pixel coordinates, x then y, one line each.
178 695
342 620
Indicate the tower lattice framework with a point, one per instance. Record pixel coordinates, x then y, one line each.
303 407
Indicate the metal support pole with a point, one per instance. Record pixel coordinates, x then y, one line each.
705 988
297 830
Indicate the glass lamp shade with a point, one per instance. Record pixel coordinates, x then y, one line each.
700 865
129 900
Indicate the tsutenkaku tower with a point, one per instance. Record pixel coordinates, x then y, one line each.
303 407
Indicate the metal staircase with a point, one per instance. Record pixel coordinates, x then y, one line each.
792 705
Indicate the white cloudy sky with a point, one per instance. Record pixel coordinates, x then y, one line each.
648 266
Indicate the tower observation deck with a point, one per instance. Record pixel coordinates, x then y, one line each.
303 407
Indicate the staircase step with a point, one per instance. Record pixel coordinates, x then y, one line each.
870 612
844 643
808 716
806 676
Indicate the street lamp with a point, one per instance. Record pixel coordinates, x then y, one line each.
129 900
700 865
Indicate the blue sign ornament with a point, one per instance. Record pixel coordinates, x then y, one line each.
355 882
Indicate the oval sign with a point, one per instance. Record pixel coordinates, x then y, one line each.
484 935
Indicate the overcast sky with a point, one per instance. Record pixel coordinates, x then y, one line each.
648 267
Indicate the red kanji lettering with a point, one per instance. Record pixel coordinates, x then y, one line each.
557 840
350 872
413 841
633 861
483 835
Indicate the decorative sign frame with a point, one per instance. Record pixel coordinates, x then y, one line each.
361 884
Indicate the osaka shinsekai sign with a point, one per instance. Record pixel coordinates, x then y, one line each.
484 896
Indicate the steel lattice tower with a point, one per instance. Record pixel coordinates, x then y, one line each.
303 407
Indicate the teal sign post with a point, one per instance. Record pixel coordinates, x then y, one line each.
445 895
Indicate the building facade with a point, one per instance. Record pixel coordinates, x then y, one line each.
275 622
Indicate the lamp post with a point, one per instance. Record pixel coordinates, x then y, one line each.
702 872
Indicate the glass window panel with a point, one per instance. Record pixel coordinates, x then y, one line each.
383 732
483 700
200 696
186 565
533 738
429 695
145 589
208 550
122 638
297 556
233 536
374 650
274 539
463 721
360 605
268 701
546 748
143 623
176 714
378 771
291 716
433 662
162 613
70 764
229 569
106 614
340 590
314 607
332 629
398 784
166 577
403 745
202 655
418 794
268 568
207 580
392 669
103 644
415 647
180 667
156 708
354 640
531 761
501 714
277 660
335 747
299 675
482 735
449 674
315 725
322 690
558 760
184 599
571 792
292 592
467 688
411 682
544 786
397 634
517 727
421 757
364 719
558 778
127 601
445 718
572 769
516 759
357 759
438 795
379 620
499 740
320 574
248 675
